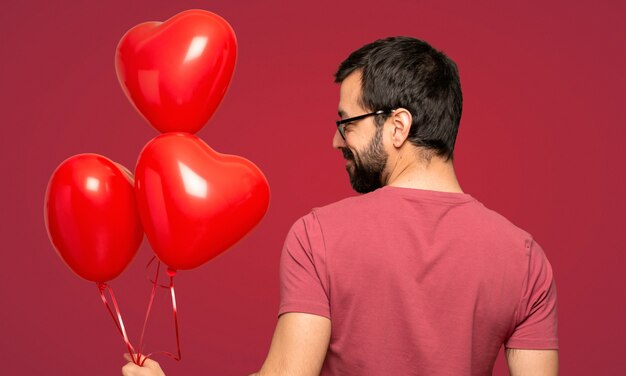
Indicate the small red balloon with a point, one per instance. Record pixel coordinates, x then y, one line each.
177 72
91 216
195 202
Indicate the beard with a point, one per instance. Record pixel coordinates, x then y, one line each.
366 170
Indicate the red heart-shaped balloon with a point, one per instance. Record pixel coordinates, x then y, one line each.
177 72
195 203
91 216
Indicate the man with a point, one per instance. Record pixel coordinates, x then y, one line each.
414 277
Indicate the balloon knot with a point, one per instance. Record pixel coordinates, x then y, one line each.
171 272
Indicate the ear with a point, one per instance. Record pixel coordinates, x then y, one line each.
401 121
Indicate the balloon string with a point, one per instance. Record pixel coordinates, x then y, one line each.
119 323
171 273
154 281
152 294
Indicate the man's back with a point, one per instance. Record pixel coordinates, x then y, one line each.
418 282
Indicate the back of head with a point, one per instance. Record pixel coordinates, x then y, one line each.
404 72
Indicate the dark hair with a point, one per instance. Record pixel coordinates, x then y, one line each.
407 72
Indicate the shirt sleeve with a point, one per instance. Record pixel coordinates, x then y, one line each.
536 316
303 277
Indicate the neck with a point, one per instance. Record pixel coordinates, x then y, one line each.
418 173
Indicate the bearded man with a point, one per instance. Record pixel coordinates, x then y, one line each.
414 276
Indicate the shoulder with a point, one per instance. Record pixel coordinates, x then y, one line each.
336 216
492 222
349 206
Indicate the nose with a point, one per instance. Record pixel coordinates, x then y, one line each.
338 141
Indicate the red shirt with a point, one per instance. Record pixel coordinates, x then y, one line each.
418 282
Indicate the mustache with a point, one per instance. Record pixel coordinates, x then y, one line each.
347 154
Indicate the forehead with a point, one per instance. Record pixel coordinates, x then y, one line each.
350 94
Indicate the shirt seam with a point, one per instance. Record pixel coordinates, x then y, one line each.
328 293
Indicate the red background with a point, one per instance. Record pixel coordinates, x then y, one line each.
541 141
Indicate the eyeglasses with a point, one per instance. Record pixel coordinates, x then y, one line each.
341 124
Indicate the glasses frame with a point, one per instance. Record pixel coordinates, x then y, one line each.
341 124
